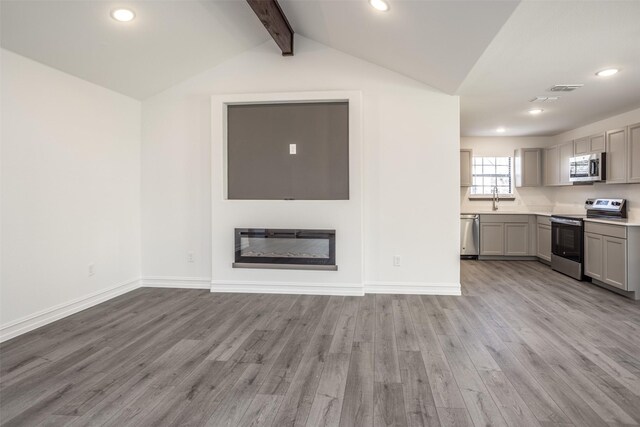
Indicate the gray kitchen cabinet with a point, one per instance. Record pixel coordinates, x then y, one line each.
616 156
543 234
633 153
552 166
590 144
581 146
466 167
614 251
597 143
593 255
528 167
516 239
508 235
565 153
491 239
612 256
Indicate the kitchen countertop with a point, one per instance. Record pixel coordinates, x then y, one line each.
624 222
621 222
507 213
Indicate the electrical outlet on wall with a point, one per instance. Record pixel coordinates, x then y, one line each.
92 269
396 260
191 257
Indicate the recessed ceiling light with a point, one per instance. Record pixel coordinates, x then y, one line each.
535 111
608 72
380 5
500 130
123 15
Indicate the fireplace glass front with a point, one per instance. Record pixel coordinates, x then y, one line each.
285 248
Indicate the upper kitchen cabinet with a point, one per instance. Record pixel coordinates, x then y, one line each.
633 153
581 146
597 143
565 153
466 176
528 167
616 156
552 166
590 144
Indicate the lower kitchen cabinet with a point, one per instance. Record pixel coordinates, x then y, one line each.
593 257
615 262
612 255
543 234
516 239
492 239
507 235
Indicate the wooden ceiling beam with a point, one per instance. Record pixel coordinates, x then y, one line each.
276 23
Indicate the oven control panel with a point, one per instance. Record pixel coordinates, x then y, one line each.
604 204
606 208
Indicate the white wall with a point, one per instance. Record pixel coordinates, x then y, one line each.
70 193
571 199
410 170
527 199
344 216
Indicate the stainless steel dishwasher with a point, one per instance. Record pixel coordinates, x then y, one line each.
469 236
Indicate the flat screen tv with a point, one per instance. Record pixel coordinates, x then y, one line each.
288 151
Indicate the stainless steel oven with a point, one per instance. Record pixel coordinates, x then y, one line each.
588 168
567 250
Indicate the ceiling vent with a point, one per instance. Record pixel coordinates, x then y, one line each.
544 99
565 88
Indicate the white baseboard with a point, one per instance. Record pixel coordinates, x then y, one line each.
287 288
44 317
336 289
176 282
412 288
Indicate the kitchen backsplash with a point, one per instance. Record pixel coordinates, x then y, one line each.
569 199
529 199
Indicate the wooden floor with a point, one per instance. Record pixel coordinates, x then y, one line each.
524 346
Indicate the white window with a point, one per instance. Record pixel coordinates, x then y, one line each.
490 173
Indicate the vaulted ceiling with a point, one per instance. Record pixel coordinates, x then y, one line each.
496 54
169 41
435 42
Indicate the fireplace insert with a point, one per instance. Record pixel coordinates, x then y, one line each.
285 248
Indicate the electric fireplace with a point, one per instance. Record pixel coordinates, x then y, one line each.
285 249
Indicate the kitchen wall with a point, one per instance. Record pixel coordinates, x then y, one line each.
410 143
571 199
70 194
527 199
565 199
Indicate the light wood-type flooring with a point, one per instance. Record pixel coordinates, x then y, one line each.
523 346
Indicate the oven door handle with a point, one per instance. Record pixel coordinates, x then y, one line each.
566 221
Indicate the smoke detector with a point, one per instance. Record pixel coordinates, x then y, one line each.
544 99
565 88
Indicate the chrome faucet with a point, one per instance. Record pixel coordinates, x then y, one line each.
495 198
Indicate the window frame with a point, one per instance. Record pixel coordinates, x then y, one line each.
502 196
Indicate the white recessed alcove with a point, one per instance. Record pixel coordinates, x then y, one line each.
344 216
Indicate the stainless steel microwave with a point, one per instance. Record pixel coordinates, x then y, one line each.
590 167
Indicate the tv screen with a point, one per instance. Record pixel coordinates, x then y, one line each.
288 151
